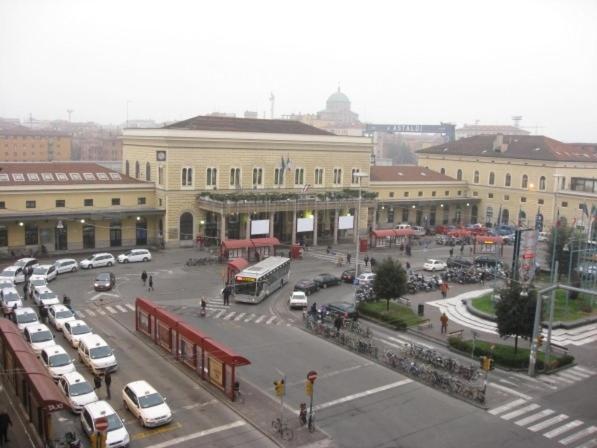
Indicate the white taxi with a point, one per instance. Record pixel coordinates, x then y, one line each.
44 296
146 404
10 298
13 273
57 361
59 314
46 271
298 299
434 265
117 436
39 337
77 390
23 317
74 330
96 354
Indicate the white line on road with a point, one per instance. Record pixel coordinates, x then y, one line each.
121 308
579 373
251 317
112 310
80 314
510 391
207 432
519 412
547 423
507 406
584 369
362 394
91 313
334 373
270 320
129 306
220 314
533 418
229 316
579 435
574 376
260 319
590 444
562 429
102 312
240 316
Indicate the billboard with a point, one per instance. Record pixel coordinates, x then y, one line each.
346 222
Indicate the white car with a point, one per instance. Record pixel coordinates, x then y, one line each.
26 262
434 265
298 299
32 283
59 315
45 271
366 278
9 298
39 337
44 296
14 274
77 390
95 353
6 283
117 436
419 231
543 236
23 317
146 404
97 261
134 255
74 330
56 361
64 265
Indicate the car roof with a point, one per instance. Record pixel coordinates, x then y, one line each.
141 388
298 293
59 307
10 289
11 268
101 253
74 377
54 350
45 266
99 409
35 328
60 260
24 310
93 340
43 288
76 323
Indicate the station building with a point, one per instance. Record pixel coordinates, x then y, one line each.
71 206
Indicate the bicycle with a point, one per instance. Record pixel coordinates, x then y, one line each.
282 428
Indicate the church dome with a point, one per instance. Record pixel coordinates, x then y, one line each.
338 101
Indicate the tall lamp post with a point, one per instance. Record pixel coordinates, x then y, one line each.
359 176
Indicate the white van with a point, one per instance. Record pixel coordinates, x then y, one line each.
419 231
95 353
403 226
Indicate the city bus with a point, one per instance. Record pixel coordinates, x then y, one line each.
257 282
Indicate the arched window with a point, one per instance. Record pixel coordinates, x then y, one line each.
508 180
474 212
489 215
522 217
141 232
525 181
147 171
127 168
542 183
137 170
476 177
443 171
505 216
563 183
459 175
492 178
186 226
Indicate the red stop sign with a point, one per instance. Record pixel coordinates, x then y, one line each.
312 376
101 424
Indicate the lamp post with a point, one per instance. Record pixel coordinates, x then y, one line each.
359 176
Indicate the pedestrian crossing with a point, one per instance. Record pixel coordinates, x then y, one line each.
333 258
106 310
554 381
567 431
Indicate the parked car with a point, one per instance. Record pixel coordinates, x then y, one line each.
96 354
325 280
44 296
58 315
347 309
117 435
27 262
56 361
134 255
74 330
14 274
64 265
23 317
32 283
9 298
97 261
459 262
434 265
587 270
6 283
298 299
46 271
487 261
348 275
404 225
543 236
419 231
104 281
306 285
39 337
146 404
77 390
366 278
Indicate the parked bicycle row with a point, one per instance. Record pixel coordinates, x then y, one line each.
468 372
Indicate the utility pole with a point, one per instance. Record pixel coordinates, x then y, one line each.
69 112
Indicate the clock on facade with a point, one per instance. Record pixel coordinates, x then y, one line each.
160 156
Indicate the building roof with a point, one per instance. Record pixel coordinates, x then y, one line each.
492 128
22 131
60 173
230 124
531 147
406 173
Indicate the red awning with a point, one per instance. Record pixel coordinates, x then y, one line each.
237 264
224 354
487 239
265 242
236 244
404 232
384 233
459 233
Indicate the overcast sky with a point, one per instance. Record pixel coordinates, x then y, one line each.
413 62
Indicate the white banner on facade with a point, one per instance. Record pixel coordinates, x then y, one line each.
346 222
260 227
304 225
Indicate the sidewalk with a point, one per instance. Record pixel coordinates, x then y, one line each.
20 434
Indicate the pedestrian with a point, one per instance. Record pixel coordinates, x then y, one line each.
313 310
470 251
348 257
408 267
444 320
366 260
97 382
451 251
373 262
66 301
144 277
408 250
25 289
43 313
150 283
5 422
108 381
338 324
462 249
226 293
444 289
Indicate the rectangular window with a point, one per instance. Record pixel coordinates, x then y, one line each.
235 177
187 177
88 202
459 192
391 194
355 177
279 176
299 176
257 177
433 193
404 215
30 204
390 215
115 201
318 176
141 201
506 197
490 195
60 203
337 176
3 236
446 193
161 175
540 201
523 199
406 194
475 193
2 204
564 204
420 193
212 177
31 235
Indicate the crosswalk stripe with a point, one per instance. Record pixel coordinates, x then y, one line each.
229 316
563 378
129 306
102 312
562 429
507 406
584 369
251 317
79 314
239 316
260 319
590 444
573 376
270 320
220 314
519 412
533 418
91 313
121 308
547 423
112 310
579 435
579 373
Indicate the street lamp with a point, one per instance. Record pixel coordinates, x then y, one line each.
359 176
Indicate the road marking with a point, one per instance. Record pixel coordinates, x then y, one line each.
362 394
533 418
207 432
91 313
129 306
579 435
239 316
260 319
511 391
121 308
220 314
79 314
572 375
112 310
507 406
550 422
584 369
562 429
519 412
590 444
229 316
270 320
102 312
152 432
563 379
334 373
251 317
579 373
508 382
196 405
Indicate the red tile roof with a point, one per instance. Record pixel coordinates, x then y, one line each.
230 124
531 147
60 173
406 173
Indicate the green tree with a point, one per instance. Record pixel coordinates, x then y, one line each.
390 280
564 239
515 313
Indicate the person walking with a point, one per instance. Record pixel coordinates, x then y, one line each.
144 277
25 289
408 267
366 260
338 323
373 262
5 422
444 321
150 288
348 257
108 381
226 293
462 249
444 289
43 313
97 382
451 251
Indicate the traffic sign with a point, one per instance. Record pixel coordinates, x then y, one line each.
312 376
101 424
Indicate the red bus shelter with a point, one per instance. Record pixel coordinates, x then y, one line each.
389 237
256 248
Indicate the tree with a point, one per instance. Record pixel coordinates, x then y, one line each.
390 280
515 313
565 239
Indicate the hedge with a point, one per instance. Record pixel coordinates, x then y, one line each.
399 317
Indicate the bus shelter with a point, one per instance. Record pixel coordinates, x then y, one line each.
234 267
212 361
390 237
250 249
27 379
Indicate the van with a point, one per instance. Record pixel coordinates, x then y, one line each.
419 231
95 353
403 226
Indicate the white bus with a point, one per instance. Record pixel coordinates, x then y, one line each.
257 282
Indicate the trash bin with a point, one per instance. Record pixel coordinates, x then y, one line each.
421 309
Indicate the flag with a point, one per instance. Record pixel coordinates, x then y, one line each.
306 188
288 163
282 164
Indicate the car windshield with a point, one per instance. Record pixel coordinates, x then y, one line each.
48 296
80 329
64 314
81 388
40 271
37 282
41 336
10 296
88 258
114 422
128 252
151 400
100 352
26 318
9 274
103 277
60 360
